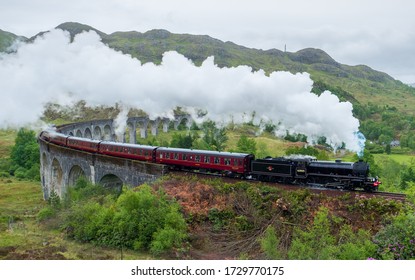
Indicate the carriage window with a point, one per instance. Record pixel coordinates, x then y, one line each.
176 156
198 158
227 161
217 160
167 155
161 155
235 162
207 159
184 156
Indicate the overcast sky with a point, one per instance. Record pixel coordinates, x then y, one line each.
377 33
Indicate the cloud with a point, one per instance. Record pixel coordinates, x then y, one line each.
53 69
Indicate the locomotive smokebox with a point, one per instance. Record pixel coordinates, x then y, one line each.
360 168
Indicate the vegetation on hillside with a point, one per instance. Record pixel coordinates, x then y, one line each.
22 160
186 217
137 219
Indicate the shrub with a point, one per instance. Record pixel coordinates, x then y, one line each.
54 200
219 218
378 205
270 243
397 239
315 244
354 246
45 214
166 239
82 223
25 156
318 242
140 219
246 145
4 174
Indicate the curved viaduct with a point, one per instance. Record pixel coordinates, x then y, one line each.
61 167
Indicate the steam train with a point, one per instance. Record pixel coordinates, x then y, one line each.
291 170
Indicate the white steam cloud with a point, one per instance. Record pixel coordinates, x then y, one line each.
53 69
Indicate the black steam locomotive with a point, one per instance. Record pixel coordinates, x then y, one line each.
307 170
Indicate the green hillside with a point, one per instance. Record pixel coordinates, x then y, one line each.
7 39
376 96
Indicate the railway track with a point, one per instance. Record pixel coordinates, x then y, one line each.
396 196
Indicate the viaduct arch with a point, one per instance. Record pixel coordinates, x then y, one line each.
61 167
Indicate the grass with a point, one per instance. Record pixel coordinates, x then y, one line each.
19 204
402 159
6 142
23 237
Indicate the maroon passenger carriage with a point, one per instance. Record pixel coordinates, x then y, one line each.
230 164
87 145
132 151
54 137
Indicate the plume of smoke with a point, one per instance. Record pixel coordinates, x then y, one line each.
51 69
361 140
120 122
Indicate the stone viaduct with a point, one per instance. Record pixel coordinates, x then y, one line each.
61 167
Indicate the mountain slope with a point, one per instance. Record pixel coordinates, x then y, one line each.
357 84
7 39
376 96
